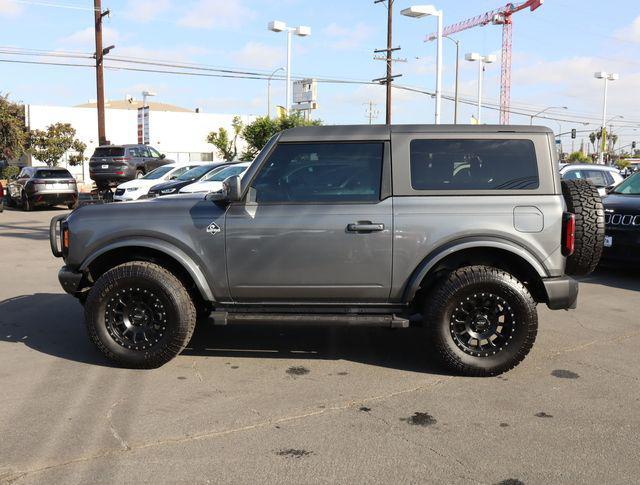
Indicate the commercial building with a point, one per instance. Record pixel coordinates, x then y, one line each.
177 132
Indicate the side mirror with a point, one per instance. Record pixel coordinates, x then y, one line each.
233 188
609 189
162 156
230 192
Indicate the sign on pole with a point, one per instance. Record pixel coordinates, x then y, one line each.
143 125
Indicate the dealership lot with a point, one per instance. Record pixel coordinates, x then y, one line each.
258 403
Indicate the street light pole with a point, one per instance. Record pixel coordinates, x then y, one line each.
301 31
607 77
455 108
544 111
419 11
269 91
481 60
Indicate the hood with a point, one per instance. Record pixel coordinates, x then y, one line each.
617 202
202 187
137 183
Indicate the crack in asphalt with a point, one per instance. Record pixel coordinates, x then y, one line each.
123 443
214 434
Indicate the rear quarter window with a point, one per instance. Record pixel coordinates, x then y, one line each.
473 165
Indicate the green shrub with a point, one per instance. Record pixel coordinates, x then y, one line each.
10 171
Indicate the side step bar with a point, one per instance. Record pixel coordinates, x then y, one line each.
390 321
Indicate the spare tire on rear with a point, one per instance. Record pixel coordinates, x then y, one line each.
584 201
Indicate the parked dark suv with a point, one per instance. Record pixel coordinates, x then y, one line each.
111 165
42 186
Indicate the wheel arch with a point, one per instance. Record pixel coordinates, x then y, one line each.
153 251
501 254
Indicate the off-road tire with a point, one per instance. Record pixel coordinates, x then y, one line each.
453 292
583 200
10 201
179 315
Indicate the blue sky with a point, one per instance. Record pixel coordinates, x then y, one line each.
556 50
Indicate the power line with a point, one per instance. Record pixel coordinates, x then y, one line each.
43 3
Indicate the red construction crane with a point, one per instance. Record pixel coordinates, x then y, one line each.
499 16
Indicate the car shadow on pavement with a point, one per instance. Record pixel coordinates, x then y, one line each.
54 325
402 349
49 323
624 278
23 231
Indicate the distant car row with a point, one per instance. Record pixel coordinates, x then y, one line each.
176 178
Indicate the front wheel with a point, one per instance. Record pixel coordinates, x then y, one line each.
140 315
482 321
26 203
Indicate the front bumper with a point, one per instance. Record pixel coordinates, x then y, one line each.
562 292
69 280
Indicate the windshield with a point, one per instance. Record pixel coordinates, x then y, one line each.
223 174
195 173
631 186
158 172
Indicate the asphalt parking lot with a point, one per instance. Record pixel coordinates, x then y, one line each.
309 405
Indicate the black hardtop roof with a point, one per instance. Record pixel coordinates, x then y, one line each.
124 145
374 132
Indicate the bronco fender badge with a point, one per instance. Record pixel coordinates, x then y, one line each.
213 229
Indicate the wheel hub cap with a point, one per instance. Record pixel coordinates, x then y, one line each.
482 324
136 318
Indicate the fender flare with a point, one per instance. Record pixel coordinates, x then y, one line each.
169 249
429 262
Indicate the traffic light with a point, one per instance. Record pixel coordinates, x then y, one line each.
633 145
573 133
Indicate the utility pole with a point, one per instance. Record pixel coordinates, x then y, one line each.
388 79
99 56
371 112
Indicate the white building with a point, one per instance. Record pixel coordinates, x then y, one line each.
178 133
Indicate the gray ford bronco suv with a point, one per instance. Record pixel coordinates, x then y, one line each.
460 229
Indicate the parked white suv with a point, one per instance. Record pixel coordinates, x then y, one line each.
134 189
602 176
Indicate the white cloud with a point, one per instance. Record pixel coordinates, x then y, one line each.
347 38
86 38
257 55
207 14
630 33
146 10
9 9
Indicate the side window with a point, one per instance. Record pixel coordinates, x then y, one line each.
321 172
473 165
153 153
572 175
597 177
134 152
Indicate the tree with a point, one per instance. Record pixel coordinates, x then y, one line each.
227 148
579 157
258 133
13 131
51 144
592 139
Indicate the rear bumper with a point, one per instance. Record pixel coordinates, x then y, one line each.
562 292
69 280
112 178
45 197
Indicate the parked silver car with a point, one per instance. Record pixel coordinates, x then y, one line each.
42 186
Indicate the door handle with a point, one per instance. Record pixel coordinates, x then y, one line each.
365 226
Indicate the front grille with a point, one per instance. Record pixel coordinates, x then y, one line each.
622 220
119 191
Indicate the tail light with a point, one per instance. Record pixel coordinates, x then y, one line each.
568 233
64 239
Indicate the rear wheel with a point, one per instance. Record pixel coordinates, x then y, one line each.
140 315
583 200
482 321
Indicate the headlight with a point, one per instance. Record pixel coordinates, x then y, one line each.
167 191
